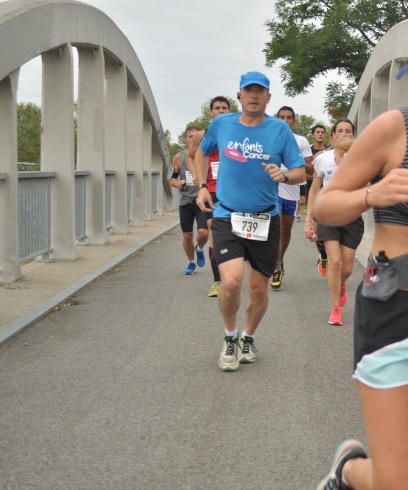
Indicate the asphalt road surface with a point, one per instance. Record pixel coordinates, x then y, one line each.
120 388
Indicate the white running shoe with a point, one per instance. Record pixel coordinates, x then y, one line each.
247 350
228 360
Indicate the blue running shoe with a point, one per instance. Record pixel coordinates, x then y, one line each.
200 257
190 269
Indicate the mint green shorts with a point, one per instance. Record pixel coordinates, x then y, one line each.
384 368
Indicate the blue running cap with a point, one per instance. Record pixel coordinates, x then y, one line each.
254 78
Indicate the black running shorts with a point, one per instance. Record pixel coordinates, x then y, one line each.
349 235
379 323
190 212
261 255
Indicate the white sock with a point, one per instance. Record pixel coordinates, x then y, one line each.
231 334
198 248
244 334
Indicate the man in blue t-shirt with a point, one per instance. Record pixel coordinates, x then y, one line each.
252 146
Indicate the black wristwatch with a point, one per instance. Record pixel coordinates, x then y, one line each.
286 178
203 186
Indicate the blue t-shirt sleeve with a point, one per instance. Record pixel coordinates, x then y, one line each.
209 141
292 157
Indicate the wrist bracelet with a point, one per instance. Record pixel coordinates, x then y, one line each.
366 197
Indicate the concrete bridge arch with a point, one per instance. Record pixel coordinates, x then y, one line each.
378 89
119 127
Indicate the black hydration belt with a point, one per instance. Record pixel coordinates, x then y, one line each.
270 208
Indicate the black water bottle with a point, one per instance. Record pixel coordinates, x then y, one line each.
382 258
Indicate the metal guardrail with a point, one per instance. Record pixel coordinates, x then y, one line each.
80 205
34 210
155 190
34 214
109 174
129 183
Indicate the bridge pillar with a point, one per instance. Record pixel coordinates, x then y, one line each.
57 148
158 199
10 269
380 93
398 88
364 111
116 148
135 153
91 139
147 174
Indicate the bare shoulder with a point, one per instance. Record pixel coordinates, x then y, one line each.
199 135
389 134
195 143
176 162
197 138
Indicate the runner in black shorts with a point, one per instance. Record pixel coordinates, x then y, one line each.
252 146
340 242
218 105
318 136
181 178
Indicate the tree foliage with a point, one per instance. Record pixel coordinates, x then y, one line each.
29 132
313 37
303 124
173 148
338 100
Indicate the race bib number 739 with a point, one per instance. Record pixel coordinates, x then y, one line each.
251 226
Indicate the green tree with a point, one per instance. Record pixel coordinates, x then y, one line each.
29 133
303 125
313 37
338 100
173 148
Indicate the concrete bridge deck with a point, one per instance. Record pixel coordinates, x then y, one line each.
121 389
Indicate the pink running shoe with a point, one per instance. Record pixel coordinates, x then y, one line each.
322 266
343 294
335 316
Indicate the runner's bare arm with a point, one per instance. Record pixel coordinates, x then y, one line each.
191 154
204 200
295 175
175 181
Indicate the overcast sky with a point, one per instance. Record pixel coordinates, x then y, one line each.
192 51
